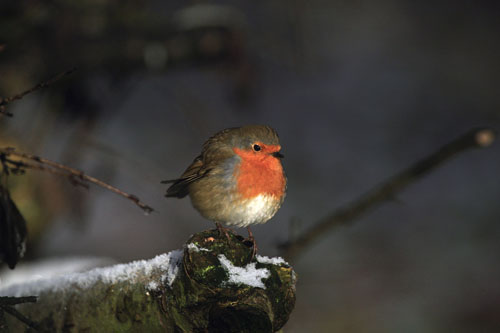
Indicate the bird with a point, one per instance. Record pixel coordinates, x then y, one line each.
238 179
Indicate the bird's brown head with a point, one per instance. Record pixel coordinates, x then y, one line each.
256 142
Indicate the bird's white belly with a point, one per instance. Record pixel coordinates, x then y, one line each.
256 210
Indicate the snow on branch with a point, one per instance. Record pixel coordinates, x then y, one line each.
161 270
210 285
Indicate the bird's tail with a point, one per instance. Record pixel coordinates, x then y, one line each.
178 189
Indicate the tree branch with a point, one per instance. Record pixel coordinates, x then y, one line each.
212 285
6 304
77 177
5 101
476 138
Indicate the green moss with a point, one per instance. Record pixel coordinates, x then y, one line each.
234 303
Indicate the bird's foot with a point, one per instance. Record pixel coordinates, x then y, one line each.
254 243
224 231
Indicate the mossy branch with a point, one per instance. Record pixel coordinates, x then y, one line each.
187 291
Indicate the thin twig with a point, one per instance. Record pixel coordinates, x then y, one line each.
5 101
7 302
76 176
476 138
21 166
13 312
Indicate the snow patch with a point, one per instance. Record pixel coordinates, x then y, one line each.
196 248
50 268
167 263
249 275
153 285
174 259
272 261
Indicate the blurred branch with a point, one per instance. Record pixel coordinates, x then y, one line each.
476 138
6 305
5 101
77 177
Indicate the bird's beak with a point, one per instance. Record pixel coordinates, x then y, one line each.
277 154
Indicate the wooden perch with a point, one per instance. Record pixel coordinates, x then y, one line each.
210 286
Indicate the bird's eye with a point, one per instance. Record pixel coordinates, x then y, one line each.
256 147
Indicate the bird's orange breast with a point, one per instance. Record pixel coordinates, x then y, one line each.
259 173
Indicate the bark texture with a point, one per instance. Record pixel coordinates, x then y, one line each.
202 298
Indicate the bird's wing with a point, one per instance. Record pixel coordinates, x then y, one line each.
212 153
179 187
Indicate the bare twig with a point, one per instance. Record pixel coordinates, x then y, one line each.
6 304
8 300
5 101
13 312
476 138
18 167
77 177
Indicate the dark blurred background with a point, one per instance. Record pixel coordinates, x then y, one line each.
357 90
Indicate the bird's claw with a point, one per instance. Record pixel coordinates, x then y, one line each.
224 231
254 243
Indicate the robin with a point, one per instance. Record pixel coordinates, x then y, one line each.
237 180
